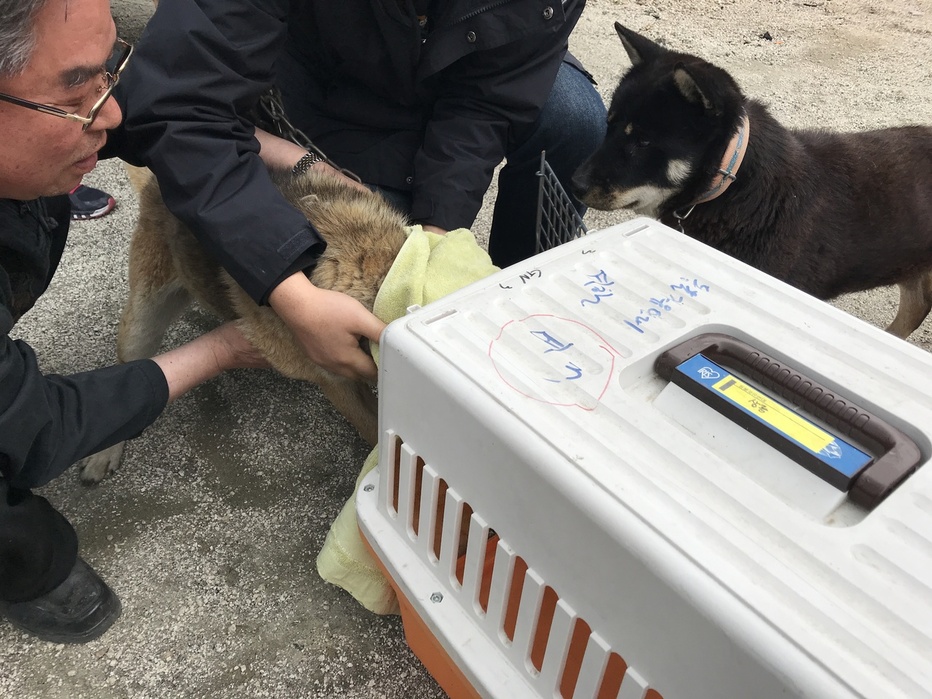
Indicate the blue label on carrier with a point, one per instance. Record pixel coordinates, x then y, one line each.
838 455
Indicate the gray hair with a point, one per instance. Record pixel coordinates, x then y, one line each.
17 34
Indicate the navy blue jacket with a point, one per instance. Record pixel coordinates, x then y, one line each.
431 112
47 422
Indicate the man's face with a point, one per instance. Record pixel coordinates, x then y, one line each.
41 154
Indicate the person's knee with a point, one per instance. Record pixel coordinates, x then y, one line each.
575 93
572 121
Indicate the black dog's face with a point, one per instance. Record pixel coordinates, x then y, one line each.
665 118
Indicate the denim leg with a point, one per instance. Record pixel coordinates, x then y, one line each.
571 126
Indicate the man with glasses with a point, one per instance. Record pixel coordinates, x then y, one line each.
86 202
59 62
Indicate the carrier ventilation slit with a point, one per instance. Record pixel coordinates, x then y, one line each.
440 502
396 444
418 485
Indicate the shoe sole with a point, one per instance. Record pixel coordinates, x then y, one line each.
103 211
116 609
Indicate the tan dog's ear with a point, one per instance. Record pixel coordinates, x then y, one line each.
138 176
637 47
312 206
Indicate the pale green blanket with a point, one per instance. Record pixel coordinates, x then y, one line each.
428 267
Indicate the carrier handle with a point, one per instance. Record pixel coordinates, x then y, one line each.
896 455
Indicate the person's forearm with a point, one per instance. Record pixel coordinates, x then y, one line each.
47 422
277 153
198 361
189 128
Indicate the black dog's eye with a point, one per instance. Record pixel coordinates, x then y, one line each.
635 135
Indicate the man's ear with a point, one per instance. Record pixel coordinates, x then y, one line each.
638 47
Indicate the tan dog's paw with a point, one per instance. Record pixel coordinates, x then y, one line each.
97 466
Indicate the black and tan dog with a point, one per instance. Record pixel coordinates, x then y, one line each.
827 212
168 269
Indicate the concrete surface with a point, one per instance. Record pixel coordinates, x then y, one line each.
210 530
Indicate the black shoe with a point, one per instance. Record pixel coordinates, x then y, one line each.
77 611
88 202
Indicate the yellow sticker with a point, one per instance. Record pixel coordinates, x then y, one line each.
774 414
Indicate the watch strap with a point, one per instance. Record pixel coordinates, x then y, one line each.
306 161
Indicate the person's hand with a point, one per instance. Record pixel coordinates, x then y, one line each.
329 325
234 351
205 357
328 169
434 229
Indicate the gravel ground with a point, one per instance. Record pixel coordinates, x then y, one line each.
210 530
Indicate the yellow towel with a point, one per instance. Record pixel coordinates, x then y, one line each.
428 267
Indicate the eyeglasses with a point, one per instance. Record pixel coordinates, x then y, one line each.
121 51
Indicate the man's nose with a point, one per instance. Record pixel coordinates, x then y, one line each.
109 116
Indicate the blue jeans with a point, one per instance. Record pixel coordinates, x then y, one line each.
570 127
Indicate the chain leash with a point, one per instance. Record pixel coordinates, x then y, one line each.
270 116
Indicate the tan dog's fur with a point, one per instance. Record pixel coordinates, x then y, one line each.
168 269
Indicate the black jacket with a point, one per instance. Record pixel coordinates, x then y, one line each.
49 422
432 113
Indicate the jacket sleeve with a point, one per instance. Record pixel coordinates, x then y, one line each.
486 98
198 68
49 422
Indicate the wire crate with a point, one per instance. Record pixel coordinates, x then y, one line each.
558 221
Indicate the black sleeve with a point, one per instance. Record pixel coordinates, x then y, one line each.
198 68
49 422
486 98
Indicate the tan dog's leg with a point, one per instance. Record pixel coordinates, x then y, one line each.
357 403
156 298
354 400
915 304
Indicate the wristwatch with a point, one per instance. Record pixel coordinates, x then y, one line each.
305 163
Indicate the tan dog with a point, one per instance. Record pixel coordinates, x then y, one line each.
168 269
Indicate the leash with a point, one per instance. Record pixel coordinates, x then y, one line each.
269 114
726 173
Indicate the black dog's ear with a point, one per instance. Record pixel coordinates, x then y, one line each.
687 84
638 47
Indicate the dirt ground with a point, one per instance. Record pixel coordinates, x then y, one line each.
210 530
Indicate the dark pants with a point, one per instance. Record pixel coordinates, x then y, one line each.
38 547
570 127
